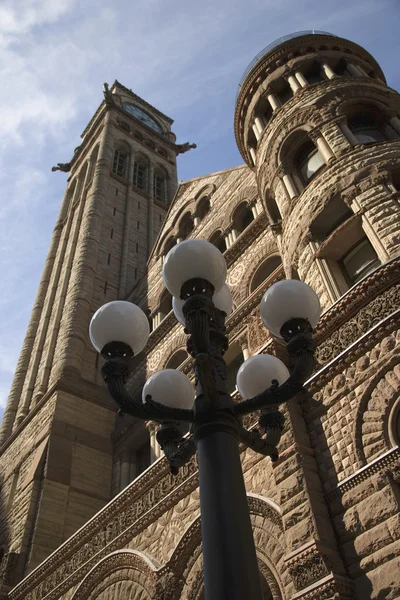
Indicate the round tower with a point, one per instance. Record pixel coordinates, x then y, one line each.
320 127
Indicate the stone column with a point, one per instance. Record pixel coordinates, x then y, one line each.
274 102
362 72
348 134
301 79
253 154
179 240
294 84
329 72
234 234
289 185
258 122
228 239
395 123
256 131
197 221
259 206
254 210
322 146
353 70
125 471
152 429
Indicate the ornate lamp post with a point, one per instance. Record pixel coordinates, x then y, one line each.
194 272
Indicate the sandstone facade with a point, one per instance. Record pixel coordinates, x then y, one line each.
318 199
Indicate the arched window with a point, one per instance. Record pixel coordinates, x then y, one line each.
159 186
242 217
272 209
186 226
308 161
177 359
165 304
264 271
218 240
367 129
170 243
203 207
140 173
120 161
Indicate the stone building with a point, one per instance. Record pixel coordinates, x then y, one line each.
88 507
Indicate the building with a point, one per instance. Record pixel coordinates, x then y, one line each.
83 515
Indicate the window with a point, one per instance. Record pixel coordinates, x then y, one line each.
314 74
264 271
177 359
139 174
165 304
366 129
186 226
159 187
359 261
242 217
142 458
308 161
284 91
203 207
168 245
119 162
218 240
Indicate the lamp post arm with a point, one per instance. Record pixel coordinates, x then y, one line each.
301 349
114 377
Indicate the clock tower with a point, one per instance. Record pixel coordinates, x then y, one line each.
56 444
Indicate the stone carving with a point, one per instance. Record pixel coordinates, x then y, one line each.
182 148
308 568
64 167
108 97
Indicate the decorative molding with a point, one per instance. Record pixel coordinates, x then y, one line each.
388 463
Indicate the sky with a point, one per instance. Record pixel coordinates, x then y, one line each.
182 56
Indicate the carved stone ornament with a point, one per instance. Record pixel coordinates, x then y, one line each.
307 567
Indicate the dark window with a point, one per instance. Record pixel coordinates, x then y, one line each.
264 271
203 208
186 226
139 175
119 162
159 187
177 359
359 261
219 241
242 218
142 458
366 129
165 305
308 161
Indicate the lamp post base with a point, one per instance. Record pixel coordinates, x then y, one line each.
229 555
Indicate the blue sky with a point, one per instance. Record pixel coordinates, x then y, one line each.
184 57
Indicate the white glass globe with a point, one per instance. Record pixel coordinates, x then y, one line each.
221 299
257 372
119 321
289 299
171 388
193 259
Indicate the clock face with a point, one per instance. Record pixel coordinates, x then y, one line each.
142 116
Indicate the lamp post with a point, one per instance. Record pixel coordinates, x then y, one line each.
194 272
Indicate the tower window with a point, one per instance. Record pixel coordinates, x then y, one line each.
359 261
159 187
308 161
219 241
139 174
366 129
242 217
119 162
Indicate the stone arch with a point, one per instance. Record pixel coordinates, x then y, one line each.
372 420
128 566
264 271
186 560
268 248
206 190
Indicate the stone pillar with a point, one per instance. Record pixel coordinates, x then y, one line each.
294 84
324 147
253 154
274 102
234 234
254 210
362 72
256 131
258 122
395 123
228 239
289 185
152 429
349 135
259 206
329 72
301 79
179 240
125 471
353 70
196 221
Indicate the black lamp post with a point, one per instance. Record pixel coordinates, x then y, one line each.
193 271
